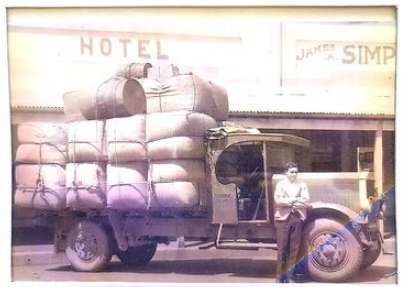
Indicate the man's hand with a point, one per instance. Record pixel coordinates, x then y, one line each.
299 204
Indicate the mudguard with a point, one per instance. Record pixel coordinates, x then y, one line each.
322 208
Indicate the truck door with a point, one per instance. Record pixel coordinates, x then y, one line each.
241 195
224 189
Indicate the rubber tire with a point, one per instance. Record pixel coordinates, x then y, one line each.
370 256
103 245
353 258
137 256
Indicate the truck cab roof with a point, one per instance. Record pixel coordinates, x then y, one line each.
240 135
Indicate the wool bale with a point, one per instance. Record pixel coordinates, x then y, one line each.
221 106
177 148
152 89
174 124
40 186
177 170
134 70
87 141
41 154
116 97
163 72
126 139
121 152
71 105
86 184
127 185
42 132
186 92
175 195
129 129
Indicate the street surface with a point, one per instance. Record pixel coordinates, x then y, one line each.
37 263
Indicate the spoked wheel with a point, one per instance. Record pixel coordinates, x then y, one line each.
333 252
137 256
89 247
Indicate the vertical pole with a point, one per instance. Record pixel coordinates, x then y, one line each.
345 151
267 177
378 162
378 174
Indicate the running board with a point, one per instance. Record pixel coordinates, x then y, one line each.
225 244
240 244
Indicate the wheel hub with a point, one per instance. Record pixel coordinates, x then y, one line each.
86 246
329 251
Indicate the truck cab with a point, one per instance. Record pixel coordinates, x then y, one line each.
240 170
341 232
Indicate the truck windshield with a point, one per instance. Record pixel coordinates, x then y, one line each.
239 162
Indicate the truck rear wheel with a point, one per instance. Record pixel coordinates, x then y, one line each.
138 255
89 247
333 252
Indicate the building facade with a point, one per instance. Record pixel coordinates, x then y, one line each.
326 74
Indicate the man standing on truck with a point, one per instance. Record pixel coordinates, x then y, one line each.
291 197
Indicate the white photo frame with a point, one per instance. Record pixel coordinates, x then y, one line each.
5 123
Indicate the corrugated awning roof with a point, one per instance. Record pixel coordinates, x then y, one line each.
242 113
36 109
309 114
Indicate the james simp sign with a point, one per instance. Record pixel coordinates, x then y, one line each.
368 54
347 53
121 47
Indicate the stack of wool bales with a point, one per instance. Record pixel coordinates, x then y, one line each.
88 112
127 170
137 143
86 170
176 153
128 186
156 160
40 165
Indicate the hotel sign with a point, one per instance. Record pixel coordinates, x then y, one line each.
144 49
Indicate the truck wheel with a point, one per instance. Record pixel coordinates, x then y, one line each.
333 252
371 254
88 247
138 255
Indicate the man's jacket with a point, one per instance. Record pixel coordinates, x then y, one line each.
290 197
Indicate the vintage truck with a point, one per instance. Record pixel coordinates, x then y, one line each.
235 211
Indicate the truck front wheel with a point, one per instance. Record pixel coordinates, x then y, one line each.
371 254
89 247
333 252
138 255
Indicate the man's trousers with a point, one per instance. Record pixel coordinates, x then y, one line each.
289 238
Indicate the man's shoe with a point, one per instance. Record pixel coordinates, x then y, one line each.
299 278
281 279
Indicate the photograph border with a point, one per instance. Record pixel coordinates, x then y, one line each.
5 122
